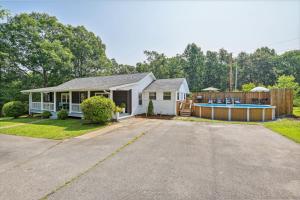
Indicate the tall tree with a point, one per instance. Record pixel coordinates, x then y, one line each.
88 51
214 72
35 42
193 66
156 63
175 67
121 69
245 74
263 66
289 64
226 61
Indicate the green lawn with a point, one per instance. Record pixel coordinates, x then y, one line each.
296 111
7 121
52 129
288 127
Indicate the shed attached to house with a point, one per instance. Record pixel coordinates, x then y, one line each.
164 94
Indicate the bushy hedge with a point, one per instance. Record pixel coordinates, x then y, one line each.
62 114
46 114
98 109
297 101
13 109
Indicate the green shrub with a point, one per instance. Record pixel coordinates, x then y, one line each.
98 109
118 109
150 110
247 87
296 101
46 114
123 105
13 109
62 114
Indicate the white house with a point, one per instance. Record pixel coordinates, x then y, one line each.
134 90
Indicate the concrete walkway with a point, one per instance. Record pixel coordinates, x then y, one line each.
155 159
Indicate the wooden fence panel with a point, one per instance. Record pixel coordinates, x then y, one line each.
281 98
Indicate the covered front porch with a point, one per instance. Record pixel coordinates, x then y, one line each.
53 101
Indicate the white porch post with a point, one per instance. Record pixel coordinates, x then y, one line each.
42 101
70 103
30 102
54 101
89 94
111 94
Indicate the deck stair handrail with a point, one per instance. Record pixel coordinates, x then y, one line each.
185 109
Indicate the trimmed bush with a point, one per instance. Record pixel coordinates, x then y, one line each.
98 109
150 110
46 114
62 114
13 109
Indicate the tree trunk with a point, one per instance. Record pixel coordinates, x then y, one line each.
45 78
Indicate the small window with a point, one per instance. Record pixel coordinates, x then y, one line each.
152 95
167 95
178 96
140 98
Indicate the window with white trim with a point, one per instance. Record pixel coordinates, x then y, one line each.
140 98
152 95
167 96
64 97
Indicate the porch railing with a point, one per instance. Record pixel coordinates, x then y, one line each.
48 106
76 108
36 105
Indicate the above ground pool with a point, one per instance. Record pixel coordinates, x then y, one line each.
235 112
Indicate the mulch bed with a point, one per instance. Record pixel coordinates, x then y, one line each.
166 117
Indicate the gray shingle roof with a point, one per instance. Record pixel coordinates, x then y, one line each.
95 83
165 84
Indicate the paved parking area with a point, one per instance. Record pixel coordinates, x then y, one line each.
153 159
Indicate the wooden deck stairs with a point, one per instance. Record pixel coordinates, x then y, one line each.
185 109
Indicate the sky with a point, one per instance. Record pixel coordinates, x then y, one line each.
128 28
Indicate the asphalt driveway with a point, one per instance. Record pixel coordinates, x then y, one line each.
153 159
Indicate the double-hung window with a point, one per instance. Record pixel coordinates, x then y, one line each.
167 96
152 95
